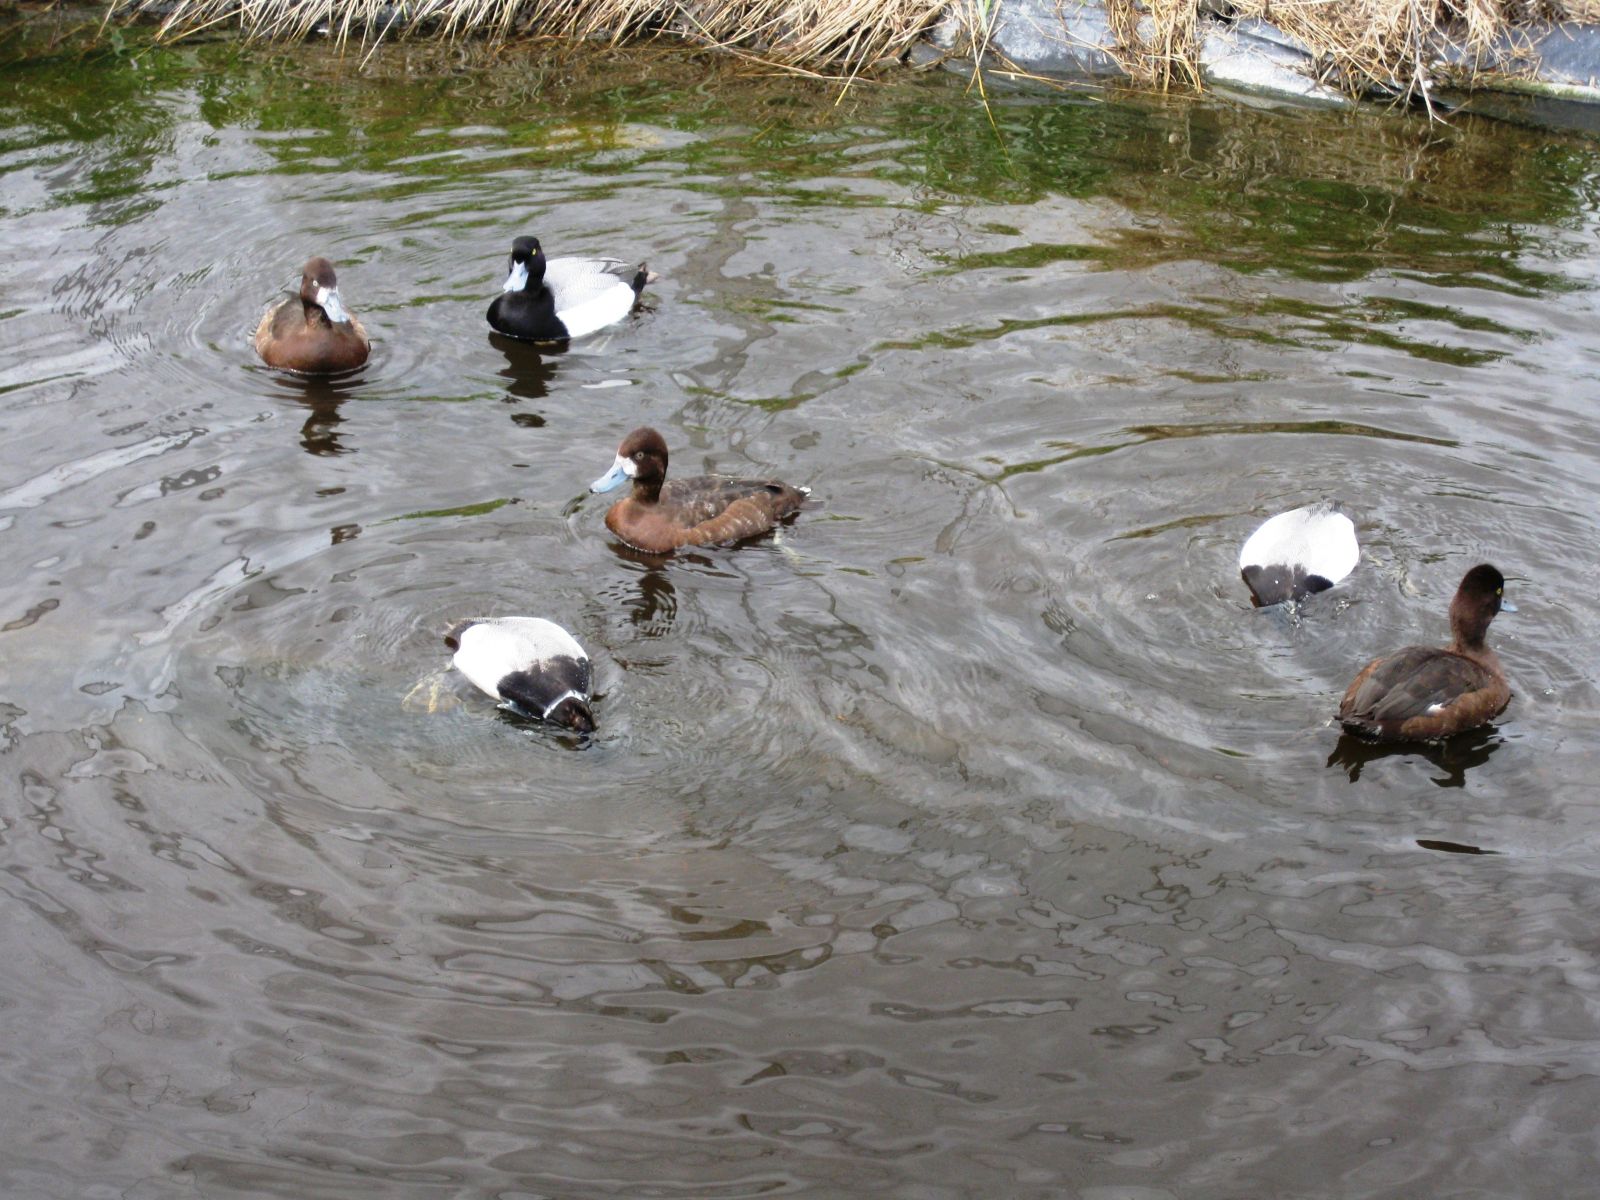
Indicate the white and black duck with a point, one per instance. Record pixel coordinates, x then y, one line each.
554 300
530 665
1298 553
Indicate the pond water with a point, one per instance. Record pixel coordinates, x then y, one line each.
971 837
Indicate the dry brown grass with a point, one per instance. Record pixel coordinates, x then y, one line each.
1156 40
835 36
1364 46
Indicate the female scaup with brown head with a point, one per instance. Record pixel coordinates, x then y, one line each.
659 516
532 666
313 332
552 300
1298 553
1423 693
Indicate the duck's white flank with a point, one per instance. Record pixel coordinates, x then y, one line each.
1319 539
590 293
494 648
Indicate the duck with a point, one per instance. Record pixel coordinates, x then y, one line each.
1425 693
532 666
554 300
659 516
312 332
1299 553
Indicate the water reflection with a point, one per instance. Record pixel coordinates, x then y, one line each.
1454 757
1448 847
633 554
654 607
322 396
529 368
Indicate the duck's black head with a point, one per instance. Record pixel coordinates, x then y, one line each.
526 272
1480 596
452 636
572 713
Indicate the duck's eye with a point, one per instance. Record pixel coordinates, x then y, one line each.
638 455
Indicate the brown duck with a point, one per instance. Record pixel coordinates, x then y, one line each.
313 332
1424 693
660 516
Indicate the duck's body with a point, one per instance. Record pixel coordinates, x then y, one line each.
554 300
312 332
1423 693
529 664
1298 553
660 516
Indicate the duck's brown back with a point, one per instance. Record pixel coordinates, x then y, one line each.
1424 692
703 511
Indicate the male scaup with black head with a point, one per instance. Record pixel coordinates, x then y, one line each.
553 300
1298 553
659 516
532 666
312 332
1423 693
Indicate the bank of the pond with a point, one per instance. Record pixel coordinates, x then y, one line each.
1507 58
1528 63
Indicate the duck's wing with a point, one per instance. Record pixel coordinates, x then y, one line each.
281 319
1415 682
574 280
706 497
591 293
727 510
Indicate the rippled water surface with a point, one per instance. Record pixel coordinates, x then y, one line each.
973 837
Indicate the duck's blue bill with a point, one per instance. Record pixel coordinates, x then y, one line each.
328 298
615 477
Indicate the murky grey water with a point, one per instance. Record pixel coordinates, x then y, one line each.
973 837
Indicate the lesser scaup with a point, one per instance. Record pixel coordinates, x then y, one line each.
533 666
1425 692
659 517
313 332
552 300
1297 553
